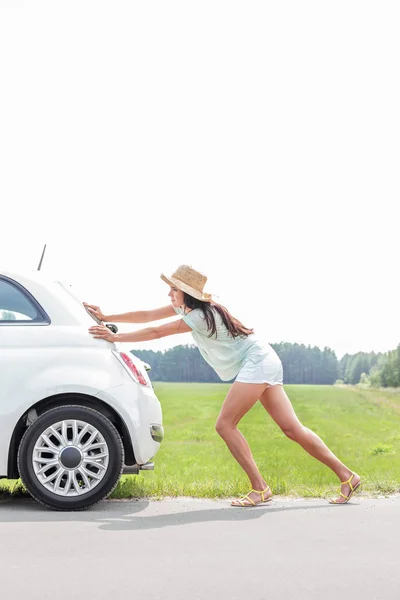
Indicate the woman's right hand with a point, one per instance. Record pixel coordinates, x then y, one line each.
95 310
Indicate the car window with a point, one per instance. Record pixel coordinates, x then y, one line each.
14 304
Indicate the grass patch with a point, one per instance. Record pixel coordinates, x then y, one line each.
360 426
11 488
383 449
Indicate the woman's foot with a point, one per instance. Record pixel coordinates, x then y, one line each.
348 487
254 497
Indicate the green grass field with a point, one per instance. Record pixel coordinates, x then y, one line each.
361 426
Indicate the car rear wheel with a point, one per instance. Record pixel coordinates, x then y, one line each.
70 458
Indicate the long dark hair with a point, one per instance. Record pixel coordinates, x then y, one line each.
234 326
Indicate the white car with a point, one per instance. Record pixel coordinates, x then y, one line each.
75 411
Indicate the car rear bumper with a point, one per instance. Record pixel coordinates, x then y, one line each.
141 412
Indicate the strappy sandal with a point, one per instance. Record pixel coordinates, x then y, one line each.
352 490
252 503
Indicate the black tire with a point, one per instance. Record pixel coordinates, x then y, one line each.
112 473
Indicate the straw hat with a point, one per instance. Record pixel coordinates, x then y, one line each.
188 280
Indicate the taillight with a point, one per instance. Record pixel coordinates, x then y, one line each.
137 375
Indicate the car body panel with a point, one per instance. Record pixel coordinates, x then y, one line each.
41 360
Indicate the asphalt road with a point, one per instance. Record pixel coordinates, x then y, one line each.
191 549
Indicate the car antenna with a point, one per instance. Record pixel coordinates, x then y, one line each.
41 258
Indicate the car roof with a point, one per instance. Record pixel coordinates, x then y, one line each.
27 274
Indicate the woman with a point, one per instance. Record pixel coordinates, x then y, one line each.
234 352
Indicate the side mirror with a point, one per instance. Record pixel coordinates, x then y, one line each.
112 327
147 366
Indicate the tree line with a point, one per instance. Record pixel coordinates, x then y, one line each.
370 368
301 365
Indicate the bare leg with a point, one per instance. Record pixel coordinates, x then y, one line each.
278 405
240 398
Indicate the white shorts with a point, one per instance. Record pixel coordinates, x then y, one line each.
268 370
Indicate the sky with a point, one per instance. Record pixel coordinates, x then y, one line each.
256 141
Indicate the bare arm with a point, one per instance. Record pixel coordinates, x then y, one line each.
138 316
143 316
143 335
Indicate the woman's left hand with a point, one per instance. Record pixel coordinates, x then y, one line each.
103 333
